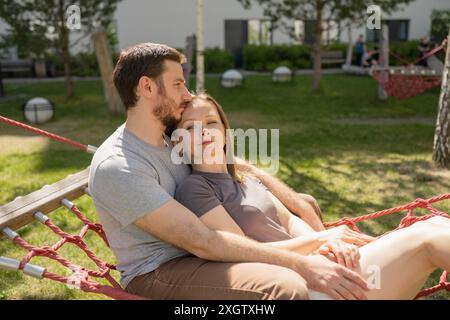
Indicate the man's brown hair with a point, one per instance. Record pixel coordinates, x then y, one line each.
145 59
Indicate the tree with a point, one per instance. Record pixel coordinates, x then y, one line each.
440 23
200 72
283 14
441 146
35 26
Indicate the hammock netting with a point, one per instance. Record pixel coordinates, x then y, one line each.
409 80
85 279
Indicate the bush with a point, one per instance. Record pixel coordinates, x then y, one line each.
337 46
83 64
406 50
216 60
267 58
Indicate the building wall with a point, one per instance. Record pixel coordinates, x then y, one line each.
419 14
171 21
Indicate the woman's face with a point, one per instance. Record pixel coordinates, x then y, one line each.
202 123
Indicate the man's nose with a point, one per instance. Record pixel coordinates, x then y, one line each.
187 97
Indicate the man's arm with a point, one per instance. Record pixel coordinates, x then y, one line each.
295 202
175 224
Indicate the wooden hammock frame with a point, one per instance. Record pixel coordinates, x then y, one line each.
20 211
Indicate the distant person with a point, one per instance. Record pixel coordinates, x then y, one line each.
424 47
360 49
371 58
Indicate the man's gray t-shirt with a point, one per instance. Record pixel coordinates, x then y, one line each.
129 178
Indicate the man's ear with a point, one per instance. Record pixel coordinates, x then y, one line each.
145 87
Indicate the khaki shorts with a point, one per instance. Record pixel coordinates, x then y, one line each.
195 278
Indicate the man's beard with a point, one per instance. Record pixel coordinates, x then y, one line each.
165 112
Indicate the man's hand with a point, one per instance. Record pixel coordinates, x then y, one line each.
343 253
333 279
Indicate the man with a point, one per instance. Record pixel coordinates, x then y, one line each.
163 250
360 50
424 47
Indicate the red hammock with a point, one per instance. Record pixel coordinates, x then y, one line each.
82 278
407 81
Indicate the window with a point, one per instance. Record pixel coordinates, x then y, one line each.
330 31
299 31
398 31
259 32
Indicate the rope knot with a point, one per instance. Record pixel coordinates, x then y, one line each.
75 239
422 203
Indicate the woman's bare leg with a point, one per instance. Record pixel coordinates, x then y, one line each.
405 259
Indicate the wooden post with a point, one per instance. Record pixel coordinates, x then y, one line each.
384 59
200 77
40 69
441 146
348 60
105 64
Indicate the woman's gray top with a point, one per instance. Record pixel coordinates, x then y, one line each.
248 204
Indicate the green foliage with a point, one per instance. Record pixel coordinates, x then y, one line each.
83 64
337 46
216 60
267 58
283 13
35 26
440 24
407 50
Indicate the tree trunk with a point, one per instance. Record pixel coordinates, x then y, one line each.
317 46
67 72
441 146
105 64
65 54
348 60
384 60
2 89
200 77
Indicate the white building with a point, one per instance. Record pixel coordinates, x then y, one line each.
228 25
170 21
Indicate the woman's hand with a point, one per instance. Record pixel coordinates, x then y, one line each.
340 252
347 235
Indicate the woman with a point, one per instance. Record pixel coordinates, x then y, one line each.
398 264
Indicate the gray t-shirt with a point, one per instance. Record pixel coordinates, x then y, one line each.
129 178
248 204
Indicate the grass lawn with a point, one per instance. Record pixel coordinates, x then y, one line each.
353 153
